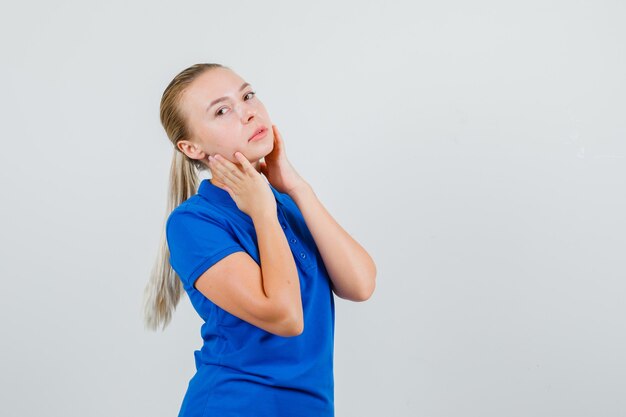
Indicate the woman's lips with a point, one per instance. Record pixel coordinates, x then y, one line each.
259 135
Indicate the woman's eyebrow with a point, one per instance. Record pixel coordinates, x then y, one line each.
217 100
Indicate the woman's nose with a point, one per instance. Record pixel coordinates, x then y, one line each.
248 113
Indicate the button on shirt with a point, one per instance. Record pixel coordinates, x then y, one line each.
241 369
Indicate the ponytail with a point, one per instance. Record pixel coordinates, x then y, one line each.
164 288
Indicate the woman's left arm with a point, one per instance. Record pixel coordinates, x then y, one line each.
352 270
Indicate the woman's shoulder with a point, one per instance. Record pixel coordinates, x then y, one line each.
197 208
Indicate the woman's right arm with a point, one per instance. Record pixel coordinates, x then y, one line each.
279 274
267 296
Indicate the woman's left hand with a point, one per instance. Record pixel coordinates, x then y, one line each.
278 169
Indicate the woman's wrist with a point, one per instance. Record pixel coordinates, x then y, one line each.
302 188
301 194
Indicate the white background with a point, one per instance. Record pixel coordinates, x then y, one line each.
475 149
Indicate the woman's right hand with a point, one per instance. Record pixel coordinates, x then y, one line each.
246 186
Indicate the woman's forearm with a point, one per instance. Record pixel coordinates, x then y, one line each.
352 270
281 282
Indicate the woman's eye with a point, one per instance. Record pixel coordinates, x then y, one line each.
220 114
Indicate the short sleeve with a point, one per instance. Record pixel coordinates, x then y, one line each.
196 242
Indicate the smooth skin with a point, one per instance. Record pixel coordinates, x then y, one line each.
267 295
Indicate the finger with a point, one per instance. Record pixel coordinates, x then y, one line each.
220 180
215 173
229 171
229 165
278 138
223 186
245 164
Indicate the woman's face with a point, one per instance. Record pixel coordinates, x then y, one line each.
225 126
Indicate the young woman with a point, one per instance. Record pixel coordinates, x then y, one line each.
256 252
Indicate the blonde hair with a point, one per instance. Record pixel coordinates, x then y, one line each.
164 288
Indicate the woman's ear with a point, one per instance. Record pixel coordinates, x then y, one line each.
188 148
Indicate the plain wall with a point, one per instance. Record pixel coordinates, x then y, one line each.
475 149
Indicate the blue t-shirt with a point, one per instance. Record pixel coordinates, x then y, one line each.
241 369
